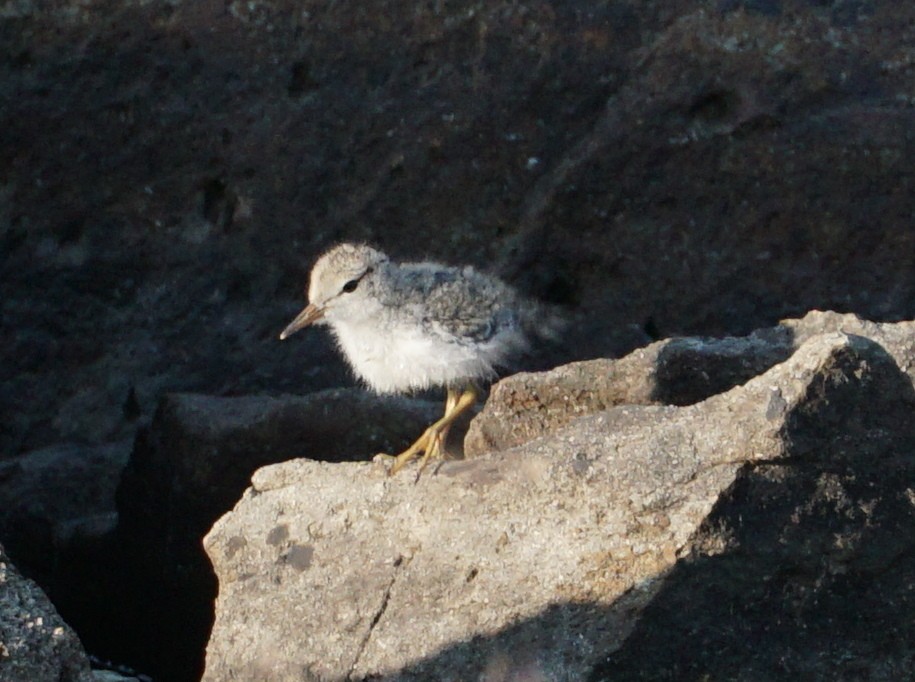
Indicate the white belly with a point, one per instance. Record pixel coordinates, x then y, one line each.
405 359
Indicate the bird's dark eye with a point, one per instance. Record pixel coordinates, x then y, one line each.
350 286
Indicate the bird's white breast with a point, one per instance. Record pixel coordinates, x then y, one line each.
404 358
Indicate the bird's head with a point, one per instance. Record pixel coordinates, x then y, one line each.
337 286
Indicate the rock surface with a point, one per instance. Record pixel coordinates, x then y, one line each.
817 569
679 371
55 500
537 561
57 522
190 467
35 643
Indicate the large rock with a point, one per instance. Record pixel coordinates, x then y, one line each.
680 371
536 562
54 500
168 169
190 467
677 371
35 643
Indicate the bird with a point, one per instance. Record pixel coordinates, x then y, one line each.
406 327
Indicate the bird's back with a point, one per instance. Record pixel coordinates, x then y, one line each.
460 304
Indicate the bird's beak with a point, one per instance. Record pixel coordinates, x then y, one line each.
311 314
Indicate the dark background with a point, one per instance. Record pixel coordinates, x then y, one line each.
169 172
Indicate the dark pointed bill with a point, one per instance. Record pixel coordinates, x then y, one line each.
303 319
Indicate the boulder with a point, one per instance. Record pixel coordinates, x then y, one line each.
536 562
57 522
36 645
190 467
678 371
56 499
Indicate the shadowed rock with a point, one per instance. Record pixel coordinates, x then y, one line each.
55 499
35 643
57 522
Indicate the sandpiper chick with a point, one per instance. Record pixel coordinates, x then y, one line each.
410 326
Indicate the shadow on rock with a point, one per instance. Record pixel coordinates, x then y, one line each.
806 567
690 369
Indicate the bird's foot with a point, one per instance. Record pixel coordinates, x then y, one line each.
430 445
432 442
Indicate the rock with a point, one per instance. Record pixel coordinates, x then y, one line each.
527 405
110 676
169 170
897 338
813 565
191 466
125 675
36 645
537 561
57 521
671 372
54 500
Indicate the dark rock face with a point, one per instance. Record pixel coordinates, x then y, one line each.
54 500
57 523
169 170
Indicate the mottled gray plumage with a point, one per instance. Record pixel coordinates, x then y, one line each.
460 303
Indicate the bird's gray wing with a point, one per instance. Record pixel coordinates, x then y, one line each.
458 302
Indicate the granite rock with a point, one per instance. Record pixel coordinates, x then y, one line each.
36 645
190 467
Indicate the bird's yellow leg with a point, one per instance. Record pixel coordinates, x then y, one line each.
437 446
432 442
451 399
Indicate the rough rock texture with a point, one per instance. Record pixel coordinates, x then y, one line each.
671 372
818 565
535 562
35 643
190 467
